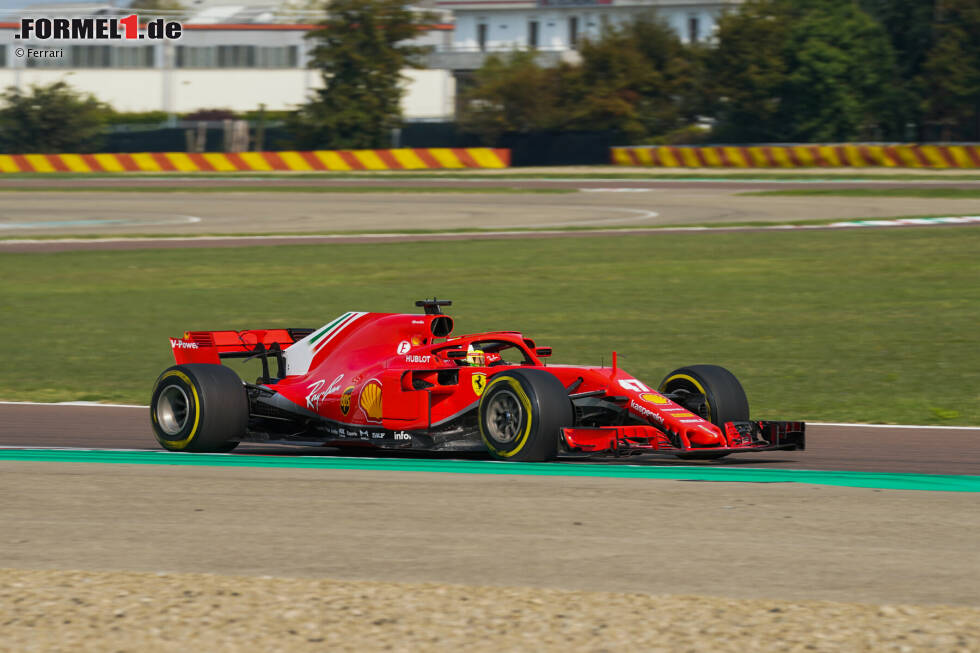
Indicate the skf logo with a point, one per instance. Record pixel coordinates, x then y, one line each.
345 399
479 383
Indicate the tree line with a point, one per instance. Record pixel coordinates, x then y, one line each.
775 71
360 48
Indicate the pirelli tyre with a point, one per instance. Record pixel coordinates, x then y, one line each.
200 408
521 414
724 399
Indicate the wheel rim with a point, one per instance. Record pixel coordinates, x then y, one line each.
173 409
504 416
686 388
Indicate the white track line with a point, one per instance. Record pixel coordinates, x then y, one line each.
615 190
642 215
559 229
69 403
99 222
385 236
892 222
847 424
897 426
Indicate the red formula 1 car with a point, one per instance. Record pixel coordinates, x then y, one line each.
401 381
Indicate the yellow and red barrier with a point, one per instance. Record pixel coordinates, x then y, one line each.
329 160
800 156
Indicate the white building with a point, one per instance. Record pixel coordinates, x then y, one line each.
222 60
255 51
554 29
559 25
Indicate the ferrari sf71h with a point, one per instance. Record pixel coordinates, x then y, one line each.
403 382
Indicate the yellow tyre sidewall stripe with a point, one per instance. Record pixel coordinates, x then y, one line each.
182 444
525 401
692 380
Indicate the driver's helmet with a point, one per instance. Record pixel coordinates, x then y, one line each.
475 357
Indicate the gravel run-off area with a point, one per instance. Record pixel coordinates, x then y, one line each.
49 610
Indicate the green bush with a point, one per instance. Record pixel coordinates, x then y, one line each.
51 119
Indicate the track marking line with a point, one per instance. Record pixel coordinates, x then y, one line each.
643 215
615 190
963 219
539 230
93 404
880 480
460 235
896 426
101 222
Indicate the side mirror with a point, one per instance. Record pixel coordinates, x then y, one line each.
456 354
542 352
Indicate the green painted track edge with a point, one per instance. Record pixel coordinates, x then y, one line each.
877 480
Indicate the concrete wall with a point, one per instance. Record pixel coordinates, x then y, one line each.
429 93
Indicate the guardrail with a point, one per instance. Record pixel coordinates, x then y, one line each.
799 156
305 161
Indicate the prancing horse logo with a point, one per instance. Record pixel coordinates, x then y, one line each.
479 383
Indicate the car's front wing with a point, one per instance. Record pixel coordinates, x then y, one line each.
740 437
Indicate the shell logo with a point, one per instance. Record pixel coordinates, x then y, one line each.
370 400
653 399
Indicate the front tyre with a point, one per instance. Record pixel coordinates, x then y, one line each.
199 407
521 414
723 400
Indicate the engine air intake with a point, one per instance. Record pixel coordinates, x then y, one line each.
441 326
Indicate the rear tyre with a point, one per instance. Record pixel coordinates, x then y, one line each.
724 398
521 413
199 407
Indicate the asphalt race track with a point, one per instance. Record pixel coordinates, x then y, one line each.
784 540
841 448
755 540
601 203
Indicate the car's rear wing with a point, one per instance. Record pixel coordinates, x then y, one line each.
212 346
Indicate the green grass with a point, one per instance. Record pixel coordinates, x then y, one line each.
870 326
937 193
491 190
